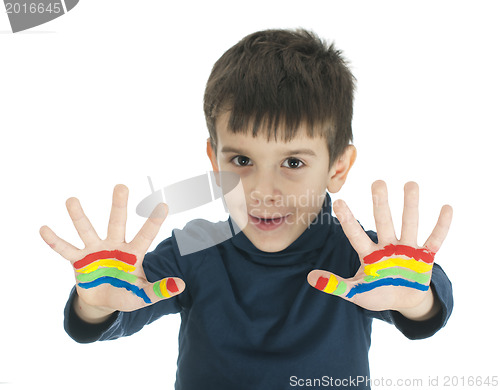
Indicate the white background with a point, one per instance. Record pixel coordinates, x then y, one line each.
112 93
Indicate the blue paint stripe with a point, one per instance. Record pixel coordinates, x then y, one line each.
361 288
117 283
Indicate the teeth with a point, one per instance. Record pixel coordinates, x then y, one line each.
269 220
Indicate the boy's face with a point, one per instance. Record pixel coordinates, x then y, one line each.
284 182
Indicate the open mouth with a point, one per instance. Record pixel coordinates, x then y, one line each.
267 223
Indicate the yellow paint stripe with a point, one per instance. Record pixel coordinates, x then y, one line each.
417 266
331 285
163 288
107 263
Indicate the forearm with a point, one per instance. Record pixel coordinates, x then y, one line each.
427 309
90 314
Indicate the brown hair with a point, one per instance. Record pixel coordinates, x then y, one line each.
283 79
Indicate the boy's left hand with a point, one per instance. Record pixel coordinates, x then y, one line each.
394 274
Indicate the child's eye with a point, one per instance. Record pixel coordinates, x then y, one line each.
293 163
241 161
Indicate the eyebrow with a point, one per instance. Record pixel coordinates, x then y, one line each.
310 152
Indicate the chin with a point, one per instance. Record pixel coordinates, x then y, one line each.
271 243
271 246
274 239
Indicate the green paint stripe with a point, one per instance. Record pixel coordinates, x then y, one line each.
403 272
112 272
156 289
341 287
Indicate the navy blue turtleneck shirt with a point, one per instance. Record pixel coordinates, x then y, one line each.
250 320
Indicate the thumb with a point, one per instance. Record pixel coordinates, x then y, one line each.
165 289
328 282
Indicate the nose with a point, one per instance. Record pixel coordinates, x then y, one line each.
265 188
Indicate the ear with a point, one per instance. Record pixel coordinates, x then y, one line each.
340 169
212 156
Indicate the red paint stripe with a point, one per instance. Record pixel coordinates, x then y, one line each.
390 250
172 286
321 283
118 255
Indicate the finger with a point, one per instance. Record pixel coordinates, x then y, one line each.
409 228
382 213
359 240
118 215
81 222
441 229
150 229
329 283
65 249
165 289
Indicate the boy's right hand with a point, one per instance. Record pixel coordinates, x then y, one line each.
109 272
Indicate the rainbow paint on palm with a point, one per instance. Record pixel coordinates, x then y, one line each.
116 254
111 267
400 250
412 264
394 265
109 263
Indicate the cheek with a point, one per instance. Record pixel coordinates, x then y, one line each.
306 198
235 201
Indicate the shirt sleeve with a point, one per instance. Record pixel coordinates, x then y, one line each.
158 264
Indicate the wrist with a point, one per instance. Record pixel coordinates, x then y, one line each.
428 308
89 313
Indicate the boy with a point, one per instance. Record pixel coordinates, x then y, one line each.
279 107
